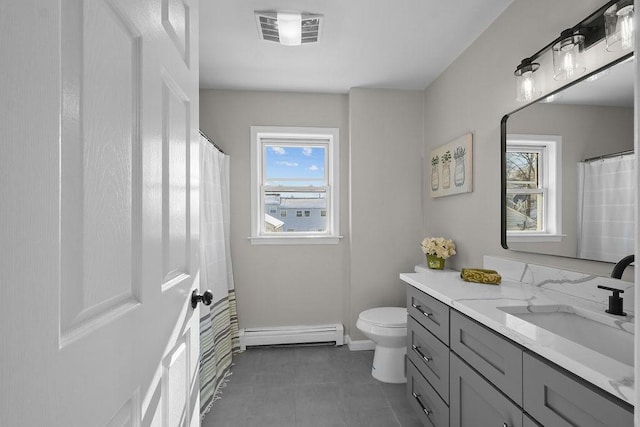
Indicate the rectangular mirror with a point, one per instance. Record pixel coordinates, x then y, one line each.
568 182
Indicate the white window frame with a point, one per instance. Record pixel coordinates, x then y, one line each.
295 136
550 149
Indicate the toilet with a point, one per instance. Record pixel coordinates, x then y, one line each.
387 328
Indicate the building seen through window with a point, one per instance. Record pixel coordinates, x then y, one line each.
293 205
295 189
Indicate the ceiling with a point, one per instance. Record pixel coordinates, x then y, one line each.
402 44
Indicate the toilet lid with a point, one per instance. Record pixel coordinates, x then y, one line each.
390 317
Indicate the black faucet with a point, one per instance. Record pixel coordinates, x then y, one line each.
618 269
615 301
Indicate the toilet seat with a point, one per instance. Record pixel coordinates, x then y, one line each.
387 317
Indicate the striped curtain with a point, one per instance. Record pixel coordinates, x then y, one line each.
218 322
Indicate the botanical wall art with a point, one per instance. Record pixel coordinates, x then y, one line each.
451 167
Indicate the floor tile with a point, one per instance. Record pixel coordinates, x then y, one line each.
308 386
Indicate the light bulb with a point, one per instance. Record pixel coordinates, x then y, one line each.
625 21
566 56
527 87
525 80
619 27
567 64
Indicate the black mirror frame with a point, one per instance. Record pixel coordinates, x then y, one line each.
503 143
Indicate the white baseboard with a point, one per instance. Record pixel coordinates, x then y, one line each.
359 345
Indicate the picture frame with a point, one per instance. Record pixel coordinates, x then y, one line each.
451 167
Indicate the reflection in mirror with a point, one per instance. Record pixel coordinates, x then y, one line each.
569 183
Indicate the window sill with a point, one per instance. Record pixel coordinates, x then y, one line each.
295 240
533 237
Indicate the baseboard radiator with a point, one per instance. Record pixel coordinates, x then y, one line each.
252 337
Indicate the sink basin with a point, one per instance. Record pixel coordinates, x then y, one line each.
599 332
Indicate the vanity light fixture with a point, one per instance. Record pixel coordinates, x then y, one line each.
526 89
567 61
288 28
610 27
618 26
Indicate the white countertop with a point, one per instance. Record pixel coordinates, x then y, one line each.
480 302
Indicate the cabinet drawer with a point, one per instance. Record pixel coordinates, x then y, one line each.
430 356
555 399
493 356
429 312
431 409
475 402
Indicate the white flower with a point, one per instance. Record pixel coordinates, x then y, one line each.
438 246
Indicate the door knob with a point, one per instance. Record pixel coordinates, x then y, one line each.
206 298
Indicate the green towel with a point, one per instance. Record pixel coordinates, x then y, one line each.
479 275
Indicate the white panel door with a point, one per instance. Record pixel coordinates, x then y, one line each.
99 213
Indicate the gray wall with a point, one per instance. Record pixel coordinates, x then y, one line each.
386 212
279 285
381 212
472 95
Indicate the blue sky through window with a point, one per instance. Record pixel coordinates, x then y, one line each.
304 164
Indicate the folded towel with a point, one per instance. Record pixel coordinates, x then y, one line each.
479 275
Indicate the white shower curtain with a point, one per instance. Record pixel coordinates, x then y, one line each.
219 321
606 200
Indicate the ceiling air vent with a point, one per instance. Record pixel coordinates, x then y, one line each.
310 28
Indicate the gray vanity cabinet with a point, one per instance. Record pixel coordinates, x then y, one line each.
556 399
461 373
475 402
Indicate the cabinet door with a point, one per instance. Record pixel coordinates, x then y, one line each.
492 355
475 402
431 409
556 399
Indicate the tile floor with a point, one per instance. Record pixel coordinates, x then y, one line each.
322 386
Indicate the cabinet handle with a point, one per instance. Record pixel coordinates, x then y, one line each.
419 308
424 409
420 353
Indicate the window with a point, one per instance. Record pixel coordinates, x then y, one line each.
534 211
295 169
283 214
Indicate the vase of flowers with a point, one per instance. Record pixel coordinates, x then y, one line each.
437 249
